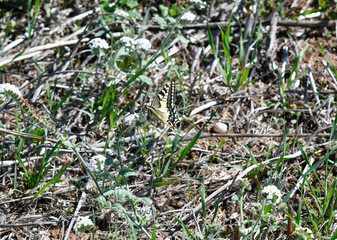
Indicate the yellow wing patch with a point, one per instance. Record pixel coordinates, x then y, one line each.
163 105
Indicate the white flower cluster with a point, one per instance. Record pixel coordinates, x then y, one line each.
189 17
305 231
97 43
82 222
272 193
121 13
129 42
199 4
141 43
120 140
6 87
133 119
96 163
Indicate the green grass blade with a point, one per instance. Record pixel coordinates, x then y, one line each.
63 99
203 202
210 39
187 231
54 180
45 167
216 208
333 69
295 65
329 196
153 237
192 142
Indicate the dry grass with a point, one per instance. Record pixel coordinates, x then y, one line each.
250 139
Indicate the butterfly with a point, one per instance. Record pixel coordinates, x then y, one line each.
163 104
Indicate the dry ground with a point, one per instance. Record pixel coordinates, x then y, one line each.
252 117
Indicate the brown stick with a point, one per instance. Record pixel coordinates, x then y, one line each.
284 23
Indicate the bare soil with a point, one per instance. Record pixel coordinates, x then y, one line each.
256 116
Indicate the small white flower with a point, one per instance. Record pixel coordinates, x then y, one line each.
143 43
98 43
200 4
305 231
156 66
133 119
124 140
190 17
271 189
111 5
121 13
272 193
82 222
96 163
299 229
129 42
6 87
120 140
11 88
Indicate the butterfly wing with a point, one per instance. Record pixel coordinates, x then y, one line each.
163 105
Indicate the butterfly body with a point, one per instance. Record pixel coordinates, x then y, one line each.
163 105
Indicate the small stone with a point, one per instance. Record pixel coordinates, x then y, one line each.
220 127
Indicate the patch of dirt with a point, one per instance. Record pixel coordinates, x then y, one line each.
257 113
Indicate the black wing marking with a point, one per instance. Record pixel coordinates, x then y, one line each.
164 103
